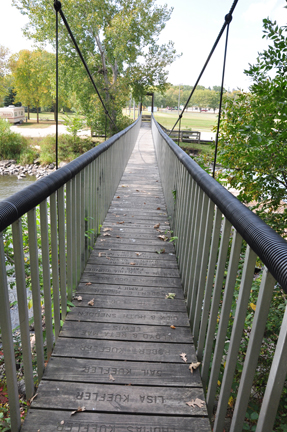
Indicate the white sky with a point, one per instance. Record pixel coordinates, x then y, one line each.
194 26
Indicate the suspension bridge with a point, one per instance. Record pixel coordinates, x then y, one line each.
142 254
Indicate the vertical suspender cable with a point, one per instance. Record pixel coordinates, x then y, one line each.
228 19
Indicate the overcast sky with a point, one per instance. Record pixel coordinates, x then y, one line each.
194 26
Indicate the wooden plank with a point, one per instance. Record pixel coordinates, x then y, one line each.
122 316
168 257
134 247
126 399
118 302
152 235
125 332
131 280
52 421
126 290
121 372
103 260
121 350
132 270
140 242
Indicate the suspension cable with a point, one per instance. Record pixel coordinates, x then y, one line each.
58 8
57 86
227 21
228 17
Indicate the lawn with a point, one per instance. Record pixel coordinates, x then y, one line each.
203 122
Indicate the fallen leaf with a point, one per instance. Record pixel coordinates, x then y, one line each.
118 196
138 253
88 283
158 208
79 298
120 222
170 296
157 225
183 356
118 237
200 403
91 302
103 240
117 216
163 237
132 263
167 223
111 377
137 190
173 327
80 409
144 203
32 398
125 214
194 366
62 422
107 234
124 186
108 229
102 254
108 258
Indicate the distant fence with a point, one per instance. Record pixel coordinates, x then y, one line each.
219 242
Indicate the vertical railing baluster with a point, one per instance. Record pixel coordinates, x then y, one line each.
188 198
253 350
8 345
275 383
75 227
79 205
69 222
62 251
22 306
221 264
37 312
196 256
237 329
209 282
224 319
55 265
46 276
83 221
203 269
179 203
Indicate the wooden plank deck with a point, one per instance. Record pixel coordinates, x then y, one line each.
119 357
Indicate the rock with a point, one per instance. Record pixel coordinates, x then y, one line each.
62 164
51 166
22 387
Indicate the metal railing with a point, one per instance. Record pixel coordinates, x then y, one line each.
217 269
70 203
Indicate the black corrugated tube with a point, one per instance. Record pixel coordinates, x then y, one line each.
265 242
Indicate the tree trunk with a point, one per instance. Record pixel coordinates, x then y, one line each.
28 112
54 105
37 114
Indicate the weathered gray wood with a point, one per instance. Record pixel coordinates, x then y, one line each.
168 257
99 314
110 397
132 280
51 421
118 302
134 247
122 350
131 270
122 372
136 241
108 260
126 290
125 332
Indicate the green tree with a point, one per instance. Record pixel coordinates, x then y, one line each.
118 40
253 133
32 72
4 52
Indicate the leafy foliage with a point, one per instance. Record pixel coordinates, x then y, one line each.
11 143
118 39
253 134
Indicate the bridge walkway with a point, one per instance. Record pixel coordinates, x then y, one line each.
118 362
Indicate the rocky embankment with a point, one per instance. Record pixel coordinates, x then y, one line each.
10 167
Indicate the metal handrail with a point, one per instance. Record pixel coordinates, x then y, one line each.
210 225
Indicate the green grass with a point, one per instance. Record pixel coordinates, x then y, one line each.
201 148
203 122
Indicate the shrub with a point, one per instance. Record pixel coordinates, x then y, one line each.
11 143
68 148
